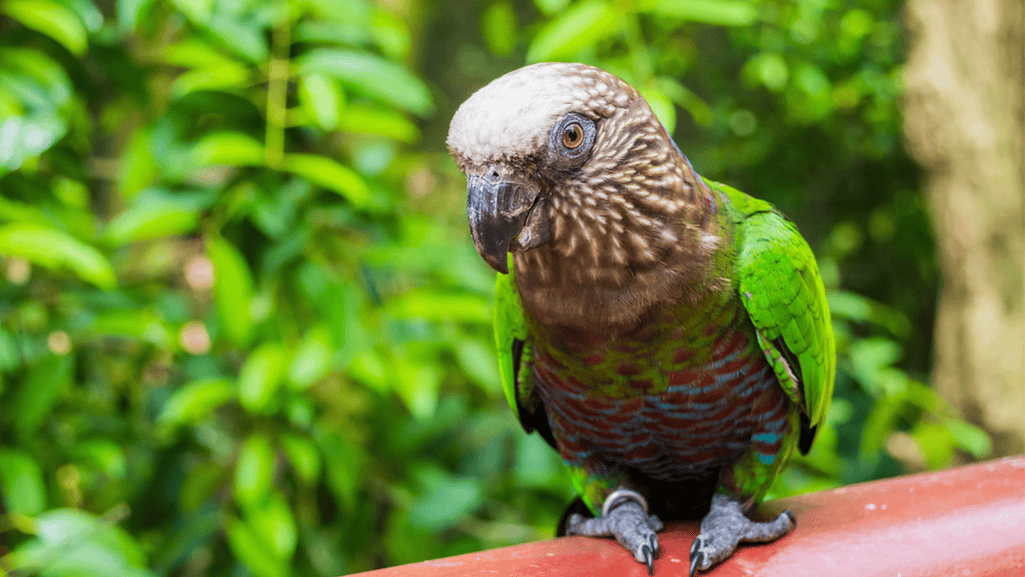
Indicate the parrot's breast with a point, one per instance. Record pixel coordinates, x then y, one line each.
674 402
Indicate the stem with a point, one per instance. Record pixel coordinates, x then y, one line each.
277 92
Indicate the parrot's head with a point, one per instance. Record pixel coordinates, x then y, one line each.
572 154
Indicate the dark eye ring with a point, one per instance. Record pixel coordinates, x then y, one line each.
573 136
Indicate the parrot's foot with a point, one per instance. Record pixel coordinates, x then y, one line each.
625 517
725 526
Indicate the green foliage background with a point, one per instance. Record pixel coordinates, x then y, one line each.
242 327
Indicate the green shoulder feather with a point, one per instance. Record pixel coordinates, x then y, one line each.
779 285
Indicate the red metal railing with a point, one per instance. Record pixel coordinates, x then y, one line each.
961 522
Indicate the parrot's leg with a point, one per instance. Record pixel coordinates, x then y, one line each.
725 526
625 517
741 487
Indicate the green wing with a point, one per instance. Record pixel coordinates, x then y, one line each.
779 284
515 351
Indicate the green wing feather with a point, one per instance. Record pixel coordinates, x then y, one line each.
515 352
779 284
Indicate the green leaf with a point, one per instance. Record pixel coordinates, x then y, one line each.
361 119
260 377
370 75
304 456
47 379
445 502
138 166
150 219
21 483
195 400
323 98
228 148
312 359
51 19
331 175
717 12
73 542
582 25
970 438
343 461
498 26
254 470
128 12
244 39
273 521
438 306
251 550
10 357
233 290
28 137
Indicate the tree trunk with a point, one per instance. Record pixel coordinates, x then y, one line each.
965 121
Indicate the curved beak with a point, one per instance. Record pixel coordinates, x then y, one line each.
498 210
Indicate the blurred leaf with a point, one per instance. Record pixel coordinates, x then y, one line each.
304 456
257 555
582 25
371 75
242 38
21 483
229 76
128 12
195 400
716 12
260 377
331 175
498 26
233 290
343 462
72 542
360 119
51 19
10 357
154 218
312 359
254 470
970 438
323 98
432 305
138 168
446 500
229 148
199 11
25 137
480 363
550 7
48 378
272 520
142 324
855 307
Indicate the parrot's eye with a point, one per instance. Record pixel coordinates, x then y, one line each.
570 141
573 136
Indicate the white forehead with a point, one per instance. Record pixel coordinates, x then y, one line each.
513 114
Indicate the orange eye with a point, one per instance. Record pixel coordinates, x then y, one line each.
573 136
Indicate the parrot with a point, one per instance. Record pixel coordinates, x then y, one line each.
668 335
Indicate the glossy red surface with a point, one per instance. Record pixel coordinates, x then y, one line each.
967 521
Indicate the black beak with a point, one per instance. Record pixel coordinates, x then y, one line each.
497 210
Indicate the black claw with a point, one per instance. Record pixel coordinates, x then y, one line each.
696 560
694 546
649 559
653 541
793 520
